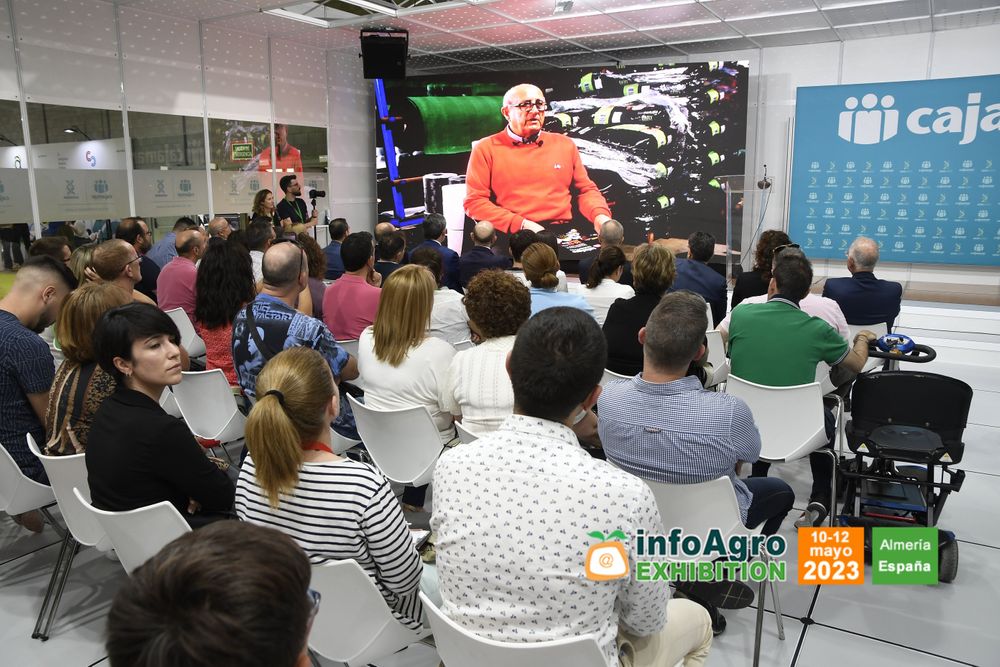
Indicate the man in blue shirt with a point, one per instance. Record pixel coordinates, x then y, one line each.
165 249
435 230
339 229
864 298
696 275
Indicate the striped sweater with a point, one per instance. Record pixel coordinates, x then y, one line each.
341 510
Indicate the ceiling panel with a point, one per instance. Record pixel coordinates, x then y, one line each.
949 6
617 40
457 18
971 20
482 55
693 32
664 16
876 13
512 33
457 69
580 25
342 38
799 37
728 9
441 41
657 53
626 5
581 60
889 29
192 9
425 60
550 48
528 10
714 45
516 65
789 22
263 24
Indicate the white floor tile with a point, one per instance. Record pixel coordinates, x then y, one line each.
985 408
16 541
795 600
827 647
734 647
982 449
972 513
956 620
978 377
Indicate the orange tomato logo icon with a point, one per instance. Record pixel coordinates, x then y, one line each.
608 559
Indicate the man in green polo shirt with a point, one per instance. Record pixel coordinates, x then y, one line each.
778 345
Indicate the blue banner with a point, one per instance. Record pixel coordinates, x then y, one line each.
912 164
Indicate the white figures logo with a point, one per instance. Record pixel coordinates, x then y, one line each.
869 125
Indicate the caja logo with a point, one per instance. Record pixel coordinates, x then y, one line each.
876 121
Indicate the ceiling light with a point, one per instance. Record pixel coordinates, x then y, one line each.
76 130
372 6
301 18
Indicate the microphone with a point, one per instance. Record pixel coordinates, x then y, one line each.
765 182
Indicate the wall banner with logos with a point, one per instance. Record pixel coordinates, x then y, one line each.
912 164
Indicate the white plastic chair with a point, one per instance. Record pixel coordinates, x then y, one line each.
190 340
611 375
464 345
717 357
137 535
354 625
698 508
460 648
65 473
169 403
350 346
208 406
465 435
18 492
790 421
708 311
879 330
404 443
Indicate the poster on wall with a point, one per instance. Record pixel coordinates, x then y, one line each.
912 164
654 139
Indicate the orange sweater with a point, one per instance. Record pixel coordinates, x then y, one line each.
507 182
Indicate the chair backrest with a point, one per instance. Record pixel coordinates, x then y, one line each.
169 403
19 493
911 398
65 473
879 329
190 340
611 375
463 345
695 508
350 346
464 434
708 311
717 356
137 535
790 419
208 406
404 443
458 647
354 624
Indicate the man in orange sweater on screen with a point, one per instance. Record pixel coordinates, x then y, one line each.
522 177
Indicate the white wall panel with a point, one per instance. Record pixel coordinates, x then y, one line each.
861 54
8 69
351 138
236 74
162 63
299 88
969 52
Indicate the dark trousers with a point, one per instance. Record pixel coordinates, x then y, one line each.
12 254
819 461
772 499
414 495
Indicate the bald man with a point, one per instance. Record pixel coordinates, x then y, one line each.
481 256
524 178
219 228
864 299
118 262
175 288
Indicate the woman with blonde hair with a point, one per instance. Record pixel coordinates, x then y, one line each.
541 267
333 507
80 385
400 364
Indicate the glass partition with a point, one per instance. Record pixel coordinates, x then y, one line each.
238 149
302 150
15 200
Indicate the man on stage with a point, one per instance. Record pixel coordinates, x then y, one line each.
522 177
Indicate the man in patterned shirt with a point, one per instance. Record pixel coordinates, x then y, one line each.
270 324
513 510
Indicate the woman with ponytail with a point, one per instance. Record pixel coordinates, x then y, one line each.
541 266
602 288
333 507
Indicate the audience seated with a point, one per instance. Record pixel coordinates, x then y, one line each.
812 304
449 321
333 507
390 251
653 272
611 234
270 324
401 365
662 425
549 239
339 229
350 303
117 262
477 390
26 370
540 267
219 228
80 386
777 344
755 282
224 286
165 249
863 298
435 231
516 503
135 232
260 236
480 256
229 594
56 247
694 274
81 263
139 455
317 269
175 287
516 245
603 286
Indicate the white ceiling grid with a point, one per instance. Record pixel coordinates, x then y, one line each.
525 34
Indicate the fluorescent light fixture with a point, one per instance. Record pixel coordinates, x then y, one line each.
372 6
301 18
899 20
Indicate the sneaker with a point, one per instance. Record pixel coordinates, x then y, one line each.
721 594
718 622
814 515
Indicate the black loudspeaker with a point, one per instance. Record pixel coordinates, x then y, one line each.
384 53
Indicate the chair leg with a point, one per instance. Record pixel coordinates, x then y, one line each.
60 531
57 583
777 606
833 485
761 590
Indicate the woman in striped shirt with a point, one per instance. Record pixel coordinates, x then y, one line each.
333 507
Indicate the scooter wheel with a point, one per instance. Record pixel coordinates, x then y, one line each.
948 562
